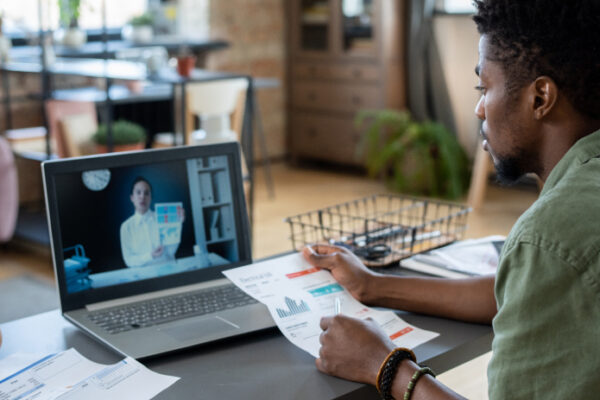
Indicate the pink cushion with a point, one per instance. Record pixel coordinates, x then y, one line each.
9 192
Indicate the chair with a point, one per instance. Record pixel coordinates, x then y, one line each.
9 192
219 106
77 130
70 125
482 166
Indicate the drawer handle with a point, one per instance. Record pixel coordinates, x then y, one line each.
356 100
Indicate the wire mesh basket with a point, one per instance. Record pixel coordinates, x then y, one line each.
382 229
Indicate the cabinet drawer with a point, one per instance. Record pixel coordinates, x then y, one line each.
337 72
335 96
326 138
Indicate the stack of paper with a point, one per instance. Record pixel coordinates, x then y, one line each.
69 375
473 257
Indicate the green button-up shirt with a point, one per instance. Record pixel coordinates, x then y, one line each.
547 329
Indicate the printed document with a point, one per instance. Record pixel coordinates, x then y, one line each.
298 295
169 218
473 257
69 375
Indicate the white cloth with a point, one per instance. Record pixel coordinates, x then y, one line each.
139 238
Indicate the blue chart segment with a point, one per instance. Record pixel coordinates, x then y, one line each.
333 288
293 308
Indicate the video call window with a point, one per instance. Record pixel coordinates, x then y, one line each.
126 224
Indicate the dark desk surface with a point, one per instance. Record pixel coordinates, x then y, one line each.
263 365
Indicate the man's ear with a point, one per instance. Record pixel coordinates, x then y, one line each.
545 94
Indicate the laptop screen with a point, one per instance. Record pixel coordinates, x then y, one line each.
147 220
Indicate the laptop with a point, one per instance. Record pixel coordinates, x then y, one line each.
139 241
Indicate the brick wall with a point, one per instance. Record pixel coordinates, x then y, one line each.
256 32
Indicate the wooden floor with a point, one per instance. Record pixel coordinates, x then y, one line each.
301 190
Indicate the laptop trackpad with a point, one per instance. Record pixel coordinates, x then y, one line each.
189 330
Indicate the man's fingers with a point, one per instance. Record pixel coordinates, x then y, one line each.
315 259
319 364
322 250
321 256
325 322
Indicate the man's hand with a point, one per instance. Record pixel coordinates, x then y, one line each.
157 252
352 348
345 267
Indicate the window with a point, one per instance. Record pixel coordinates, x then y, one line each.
23 16
455 6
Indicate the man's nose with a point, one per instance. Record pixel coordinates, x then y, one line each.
480 109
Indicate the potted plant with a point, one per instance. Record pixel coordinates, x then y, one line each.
139 29
421 158
186 61
126 136
71 35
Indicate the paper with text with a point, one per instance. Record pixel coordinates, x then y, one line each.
69 375
169 219
298 295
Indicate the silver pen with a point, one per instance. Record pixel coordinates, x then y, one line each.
338 306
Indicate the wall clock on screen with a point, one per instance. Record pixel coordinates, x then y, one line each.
96 180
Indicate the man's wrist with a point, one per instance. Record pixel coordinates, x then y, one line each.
372 283
387 372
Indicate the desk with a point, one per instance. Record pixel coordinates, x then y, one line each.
262 365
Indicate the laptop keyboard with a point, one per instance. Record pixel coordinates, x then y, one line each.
170 308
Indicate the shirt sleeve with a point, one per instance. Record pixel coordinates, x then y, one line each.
546 329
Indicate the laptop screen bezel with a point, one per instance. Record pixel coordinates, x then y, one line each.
53 168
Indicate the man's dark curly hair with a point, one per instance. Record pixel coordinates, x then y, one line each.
556 38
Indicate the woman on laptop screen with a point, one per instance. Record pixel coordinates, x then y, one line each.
149 237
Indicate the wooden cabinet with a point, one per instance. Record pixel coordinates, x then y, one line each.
344 56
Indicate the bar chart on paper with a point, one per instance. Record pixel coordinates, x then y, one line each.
293 308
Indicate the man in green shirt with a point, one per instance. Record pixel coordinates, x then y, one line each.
539 71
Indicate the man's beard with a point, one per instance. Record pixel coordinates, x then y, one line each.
510 169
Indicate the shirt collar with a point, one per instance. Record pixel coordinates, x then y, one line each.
138 218
582 151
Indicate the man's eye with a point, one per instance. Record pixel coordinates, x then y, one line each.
480 89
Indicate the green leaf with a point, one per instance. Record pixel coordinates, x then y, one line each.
123 132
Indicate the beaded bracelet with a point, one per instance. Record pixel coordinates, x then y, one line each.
413 381
388 370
